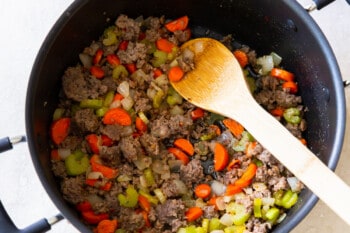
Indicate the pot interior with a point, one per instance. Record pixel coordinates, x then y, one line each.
280 26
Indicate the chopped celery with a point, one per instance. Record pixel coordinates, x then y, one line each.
207 137
130 199
214 224
149 177
91 103
157 99
173 97
159 58
240 213
109 36
251 84
150 198
151 46
143 117
257 207
108 99
76 163
278 195
101 111
172 55
57 114
272 214
205 225
242 143
289 199
292 115
235 229
118 71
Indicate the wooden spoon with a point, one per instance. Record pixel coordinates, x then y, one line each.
217 84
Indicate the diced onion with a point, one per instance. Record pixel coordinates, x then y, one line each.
142 162
124 89
277 59
86 60
226 219
180 186
162 80
143 117
259 186
294 184
151 92
94 175
160 195
268 201
218 188
176 110
127 103
281 218
63 153
220 203
115 104
266 63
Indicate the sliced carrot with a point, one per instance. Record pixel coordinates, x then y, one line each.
303 141
235 127
91 182
123 45
291 86
232 189
278 111
242 183
117 116
94 142
248 175
202 191
107 186
241 57
157 72
212 201
113 60
83 206
145 217
144 203
233 164
282 74
98 56
92 218
140 125
107 226
164 45
179 155
54 155
216 129
60 130
220 157
197 113
97 71
177 24
106 141
193 213
131 67
184 145
96 166
118 96
175 74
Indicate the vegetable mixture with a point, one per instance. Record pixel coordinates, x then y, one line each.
131 155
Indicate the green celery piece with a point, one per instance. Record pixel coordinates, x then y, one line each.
57 114
278 195
130 199
214 224
242 144
118 71
292 115
91 103
151 199
157 99
76 163
257 207
109 36
272 214
159 58
240 214
101 111
108 99
235 229
289 199
149 176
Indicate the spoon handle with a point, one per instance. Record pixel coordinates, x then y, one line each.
308 168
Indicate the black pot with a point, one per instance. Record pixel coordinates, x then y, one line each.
265 25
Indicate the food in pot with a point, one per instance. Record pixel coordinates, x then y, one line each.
131 155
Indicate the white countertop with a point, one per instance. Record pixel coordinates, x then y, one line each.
24 25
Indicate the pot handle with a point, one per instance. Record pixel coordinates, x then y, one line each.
43 225
319 4
7 143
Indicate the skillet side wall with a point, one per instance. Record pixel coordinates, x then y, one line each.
280 26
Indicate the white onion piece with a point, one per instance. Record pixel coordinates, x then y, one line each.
220 203
277 59
176 110
151 92
281 218
94 175
180 186
127 103
86 60
226 138
266 63
217 231
161 80
226 219
115 104
218 188
294 183
124 89
142 162
63 153
259 186
268 201
143 182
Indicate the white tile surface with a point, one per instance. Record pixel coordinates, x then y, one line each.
24 25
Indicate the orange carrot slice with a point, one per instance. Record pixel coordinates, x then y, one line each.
107 226
175 73
177 24
193 213
179 154
140 125
241 57
235 127
291 86
117 116
185 145
60 130
282 74
220 157
164 45
202 191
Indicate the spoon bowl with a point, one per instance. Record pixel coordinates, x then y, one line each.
217 84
